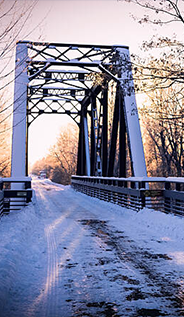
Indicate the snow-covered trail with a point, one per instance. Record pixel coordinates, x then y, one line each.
77 256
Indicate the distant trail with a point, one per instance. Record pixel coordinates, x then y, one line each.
92 268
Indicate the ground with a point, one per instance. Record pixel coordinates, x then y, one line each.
67 254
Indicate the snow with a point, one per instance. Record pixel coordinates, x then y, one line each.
16 179
175 179
62 87
71 61
62 71
137 179
67 254
56 87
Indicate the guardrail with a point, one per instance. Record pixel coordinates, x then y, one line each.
15 193
165 194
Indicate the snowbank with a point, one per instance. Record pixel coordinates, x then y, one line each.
19 243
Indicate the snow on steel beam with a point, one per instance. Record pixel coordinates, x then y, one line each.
19 113
131 114
56 87
71 62
64 71
51 45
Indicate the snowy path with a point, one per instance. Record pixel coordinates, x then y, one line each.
71 255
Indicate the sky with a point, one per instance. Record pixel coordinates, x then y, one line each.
86 22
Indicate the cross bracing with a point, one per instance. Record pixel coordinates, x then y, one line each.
47 67
75 80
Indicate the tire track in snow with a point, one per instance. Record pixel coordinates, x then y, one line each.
48 299
52 274
48 296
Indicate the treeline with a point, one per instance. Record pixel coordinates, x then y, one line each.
163 133
162 119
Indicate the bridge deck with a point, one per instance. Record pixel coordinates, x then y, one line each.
78 256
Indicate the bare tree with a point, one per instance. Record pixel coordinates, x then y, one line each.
161 77
163 123
165 11
13 18
167 65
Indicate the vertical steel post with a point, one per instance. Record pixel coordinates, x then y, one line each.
80 156
27 140
105 131
131 114
88 168
18 161
93 145
114 135
122 140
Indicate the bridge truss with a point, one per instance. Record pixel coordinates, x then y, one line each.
86 82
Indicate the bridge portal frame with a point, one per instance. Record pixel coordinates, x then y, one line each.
74 79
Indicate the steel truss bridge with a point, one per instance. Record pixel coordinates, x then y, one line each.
93 84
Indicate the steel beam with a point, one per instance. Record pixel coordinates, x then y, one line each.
18 161
93 147
131 114
81 147
105 130
122 140
86 138
114 135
